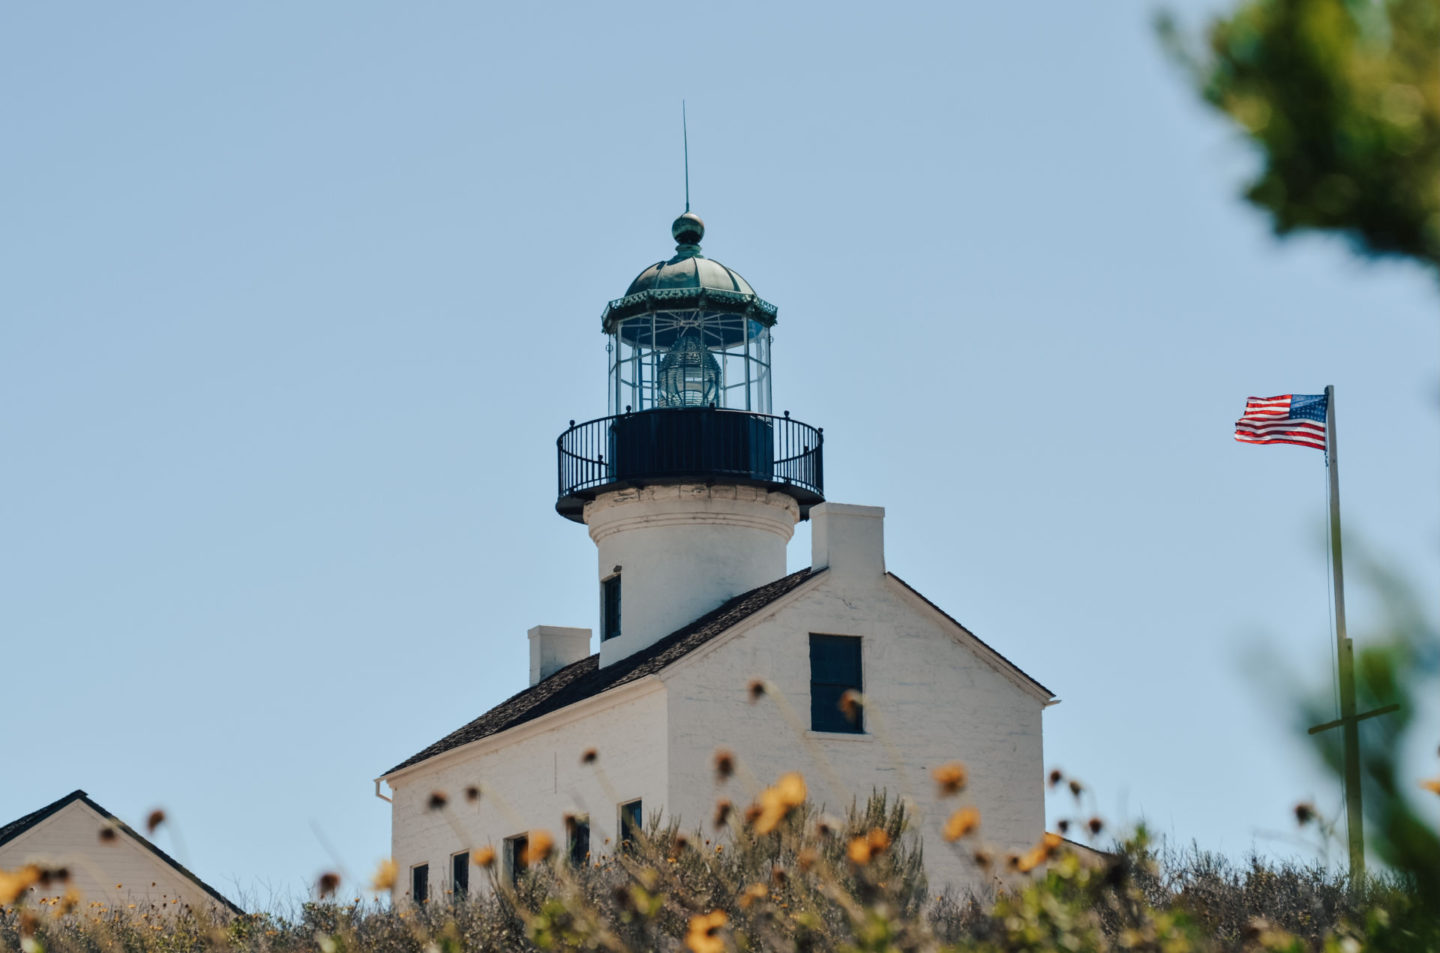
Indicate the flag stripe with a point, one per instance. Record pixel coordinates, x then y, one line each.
1269 420
1318 445
1280 425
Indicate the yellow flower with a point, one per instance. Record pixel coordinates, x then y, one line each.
704 928
1041 853
484 857
962 822
1432 785
539 847
384 877
68 903
753 893
14 883
776 803
1031 859
951 778
865 848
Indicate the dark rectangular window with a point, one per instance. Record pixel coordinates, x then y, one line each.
579 847
460 874
834 670
610 608
420 883
515 850
632 822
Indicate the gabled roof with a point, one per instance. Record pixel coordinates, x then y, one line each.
17 827
585 679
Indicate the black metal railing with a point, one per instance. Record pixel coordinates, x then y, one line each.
703 444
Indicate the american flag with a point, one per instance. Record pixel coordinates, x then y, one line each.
1289 418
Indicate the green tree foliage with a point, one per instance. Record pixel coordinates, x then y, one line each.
1342 98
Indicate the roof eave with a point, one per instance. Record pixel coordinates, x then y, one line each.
672 299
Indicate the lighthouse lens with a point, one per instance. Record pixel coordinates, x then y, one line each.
689 375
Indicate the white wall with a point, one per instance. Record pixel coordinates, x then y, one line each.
531 776
683 551
930 699
117 872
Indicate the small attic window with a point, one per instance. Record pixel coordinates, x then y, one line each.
834 670
610 607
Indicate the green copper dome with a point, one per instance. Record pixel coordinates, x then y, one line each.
688 281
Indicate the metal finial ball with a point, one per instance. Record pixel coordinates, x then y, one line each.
688 229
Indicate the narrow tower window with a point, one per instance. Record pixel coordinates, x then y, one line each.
834 670
610 608
420 883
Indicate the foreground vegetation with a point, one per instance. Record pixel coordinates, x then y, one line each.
787 879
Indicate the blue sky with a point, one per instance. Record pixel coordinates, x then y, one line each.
294 300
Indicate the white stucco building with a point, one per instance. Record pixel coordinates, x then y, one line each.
691 490
79 846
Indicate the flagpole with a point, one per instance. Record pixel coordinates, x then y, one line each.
1345 654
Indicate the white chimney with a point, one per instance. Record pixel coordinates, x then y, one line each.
848 540
552 647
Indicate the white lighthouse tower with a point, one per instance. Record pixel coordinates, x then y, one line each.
691 488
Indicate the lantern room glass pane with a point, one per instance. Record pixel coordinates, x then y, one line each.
690 358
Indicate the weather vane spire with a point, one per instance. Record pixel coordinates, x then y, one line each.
685 135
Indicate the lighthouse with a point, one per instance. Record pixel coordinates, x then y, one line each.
690 487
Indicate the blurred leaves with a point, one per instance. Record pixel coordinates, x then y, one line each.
1342 99
1400 664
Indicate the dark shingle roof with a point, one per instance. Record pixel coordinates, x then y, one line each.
17 827
586 678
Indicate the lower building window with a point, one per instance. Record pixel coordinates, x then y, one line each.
632 821
420 883
578 829
516 849
460 874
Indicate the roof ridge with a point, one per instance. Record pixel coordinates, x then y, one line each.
20 825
